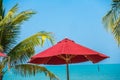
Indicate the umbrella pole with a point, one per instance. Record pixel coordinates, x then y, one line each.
67 70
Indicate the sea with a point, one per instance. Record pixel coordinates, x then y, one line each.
77 72
89 72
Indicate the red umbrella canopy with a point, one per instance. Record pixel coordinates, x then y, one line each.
2 55
67 51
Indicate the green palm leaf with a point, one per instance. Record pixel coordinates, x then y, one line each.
25 49
111 20
10 27
108 20
23 16
29 69
116 0
116 32
2 11
19 53
1 67
1 48
11 13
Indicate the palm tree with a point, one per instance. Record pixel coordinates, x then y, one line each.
19 54
112 20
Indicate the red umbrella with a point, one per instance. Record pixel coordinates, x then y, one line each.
2 55
66 52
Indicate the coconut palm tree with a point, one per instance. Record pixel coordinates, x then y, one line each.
112 20
19 53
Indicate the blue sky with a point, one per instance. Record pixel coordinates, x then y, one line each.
79 20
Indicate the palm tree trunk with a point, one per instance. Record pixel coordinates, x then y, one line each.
1 76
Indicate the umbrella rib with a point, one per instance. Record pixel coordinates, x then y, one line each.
48 59
66 59
60 56
87 58
72 56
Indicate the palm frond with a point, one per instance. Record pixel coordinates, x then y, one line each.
111 20
116 0
46 35
108 20
1 68
23 16
116 32
8 37
2 11
11 13
25 49
10 27
31 70
1 48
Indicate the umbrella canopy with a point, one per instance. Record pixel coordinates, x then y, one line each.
66 52
2 55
